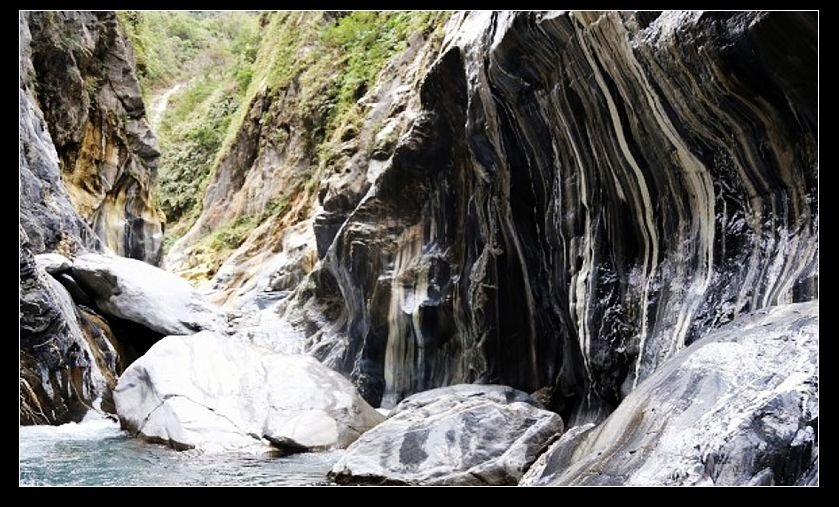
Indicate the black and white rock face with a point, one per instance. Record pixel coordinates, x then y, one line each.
215 393
737 407
68 358
46 213
80 71
87 166
462 434
580 196
141 293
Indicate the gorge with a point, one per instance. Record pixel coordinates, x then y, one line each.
535 248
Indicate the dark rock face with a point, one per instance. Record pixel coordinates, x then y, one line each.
46 213
581 196
81 73
737 407
456 435
68 356
87 164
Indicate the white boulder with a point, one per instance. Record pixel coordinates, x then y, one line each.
216 393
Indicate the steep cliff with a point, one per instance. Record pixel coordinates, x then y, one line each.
68 355
87 163
579 196
617 212
84 81
327 95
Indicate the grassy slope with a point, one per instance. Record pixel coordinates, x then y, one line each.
332 61
213 53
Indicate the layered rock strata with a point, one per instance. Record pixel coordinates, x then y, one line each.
578 197
457 435
740 406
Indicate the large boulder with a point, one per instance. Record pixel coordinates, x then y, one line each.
53 263
138 292
739 406
216 393
463 434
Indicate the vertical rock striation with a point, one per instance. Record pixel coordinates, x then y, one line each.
82 76
68 355
87 163
579 196
46 212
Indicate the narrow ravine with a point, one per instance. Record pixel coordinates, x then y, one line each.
160 101
419 248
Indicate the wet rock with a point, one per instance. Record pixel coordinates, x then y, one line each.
66 360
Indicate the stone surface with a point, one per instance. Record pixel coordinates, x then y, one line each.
86 163
737 407
275 151
462 434
82 72
68 358
216 393
576 197
46 212
138 292
53 263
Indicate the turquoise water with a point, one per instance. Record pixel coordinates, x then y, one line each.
96 453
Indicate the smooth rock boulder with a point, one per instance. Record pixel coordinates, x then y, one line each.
737 407
133 290
216 393
463 434
53 263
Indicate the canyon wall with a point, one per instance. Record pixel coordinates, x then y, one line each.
86 170
578 197
81 74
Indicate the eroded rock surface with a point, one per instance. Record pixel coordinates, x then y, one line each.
68 356
462 434
81 72
578 197
138 292
739 406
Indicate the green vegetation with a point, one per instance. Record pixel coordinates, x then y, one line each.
231 235
366 41
209 54
312 69
332 63
190 134
170 45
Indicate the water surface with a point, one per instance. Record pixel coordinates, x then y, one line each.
96 453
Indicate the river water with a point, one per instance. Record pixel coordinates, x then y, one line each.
96 452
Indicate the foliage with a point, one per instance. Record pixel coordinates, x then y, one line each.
209 53
169 45
331 62
326 63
